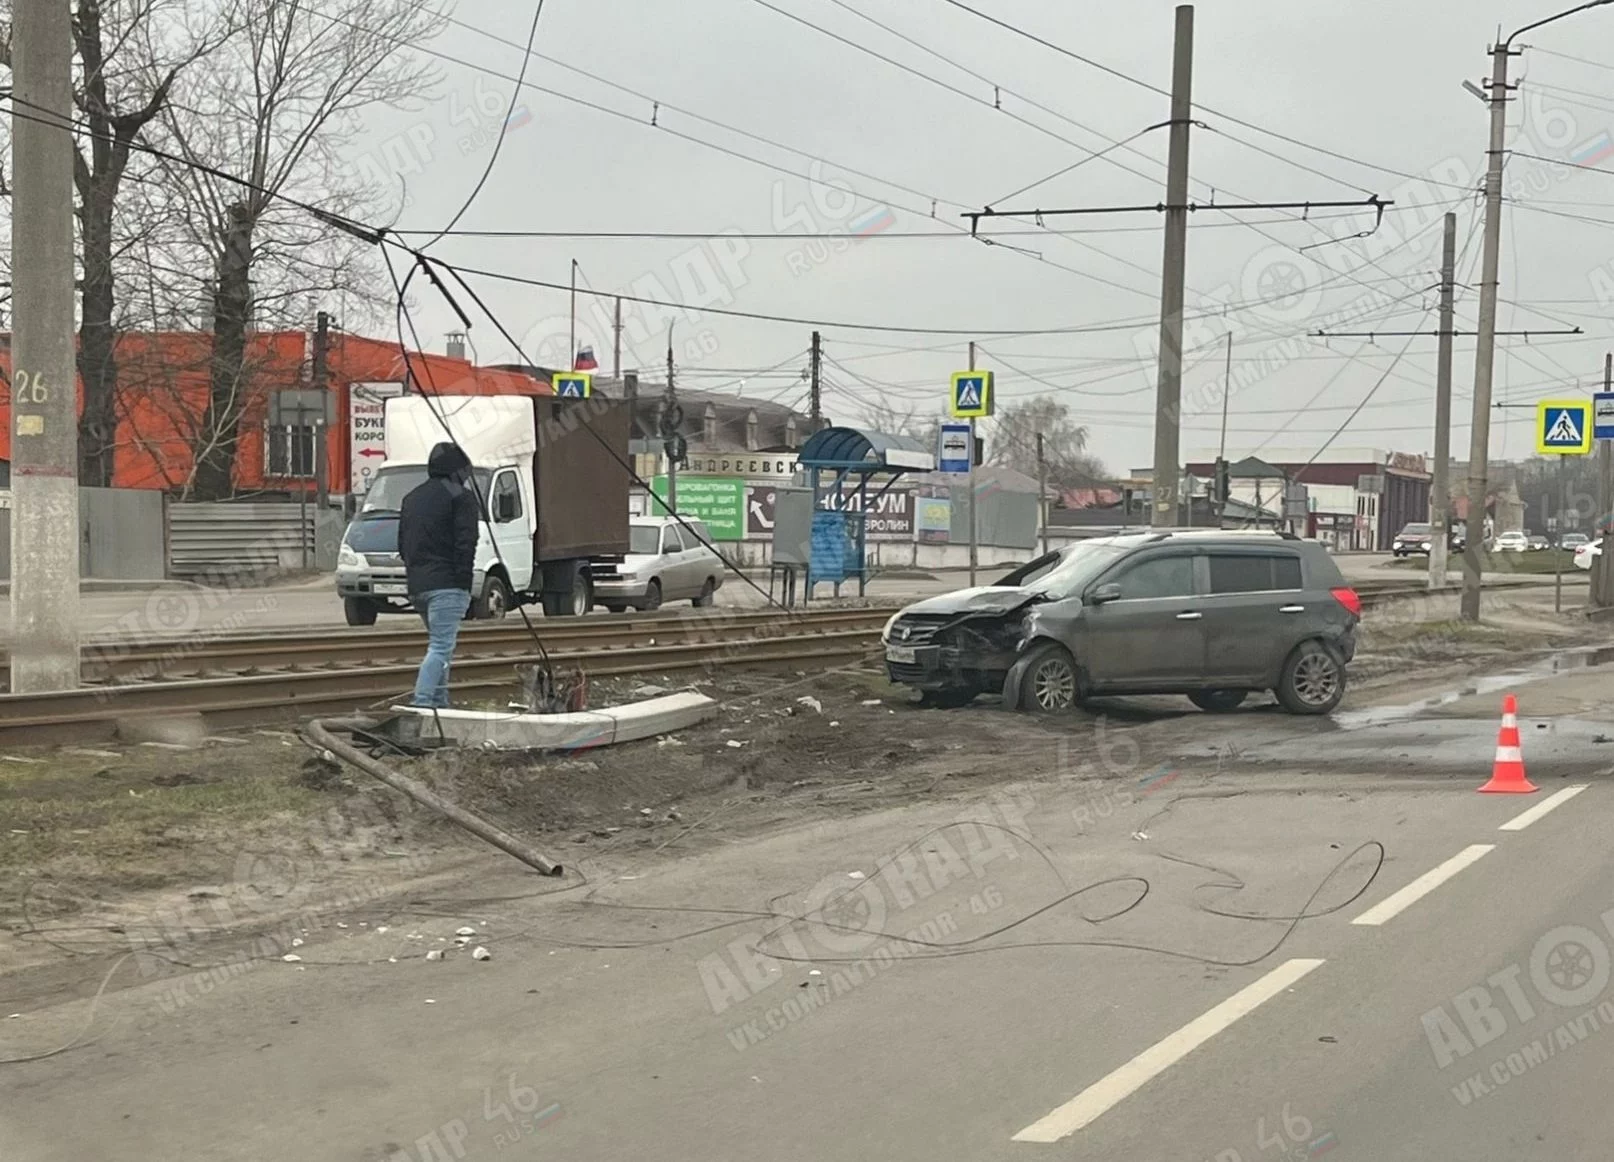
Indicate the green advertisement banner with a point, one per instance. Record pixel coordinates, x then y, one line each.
716 501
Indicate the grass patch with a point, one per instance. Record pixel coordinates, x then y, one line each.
1540 561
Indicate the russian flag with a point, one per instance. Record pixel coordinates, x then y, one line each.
876 220
1598 149
585 360
519 116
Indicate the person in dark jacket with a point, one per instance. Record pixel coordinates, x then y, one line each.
437 532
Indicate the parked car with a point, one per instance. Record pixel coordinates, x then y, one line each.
1538 543
665 562
1573 541
1213 615
1511 543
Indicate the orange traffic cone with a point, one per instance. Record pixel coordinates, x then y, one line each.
1507 773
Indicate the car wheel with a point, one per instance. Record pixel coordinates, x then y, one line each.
1313 680
1218 701
495 601
1049 684
652 597
359 611
705 598
949 699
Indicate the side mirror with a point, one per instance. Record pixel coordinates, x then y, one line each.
504 507
1103 593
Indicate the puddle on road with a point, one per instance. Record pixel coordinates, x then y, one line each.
1549 667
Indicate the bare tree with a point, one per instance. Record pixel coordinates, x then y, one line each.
274 107
894 419
1013 443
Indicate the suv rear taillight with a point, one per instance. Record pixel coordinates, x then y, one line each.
1349 599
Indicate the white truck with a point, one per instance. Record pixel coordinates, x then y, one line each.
553 481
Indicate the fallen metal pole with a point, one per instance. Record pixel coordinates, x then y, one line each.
319 732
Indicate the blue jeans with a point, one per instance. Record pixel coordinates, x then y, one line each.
442 610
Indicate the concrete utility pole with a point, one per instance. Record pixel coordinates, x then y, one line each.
975 525
1602 566
322 384
1485 352
815 406
670 430
44 379
1042 492
1168 393
616 343
1440 490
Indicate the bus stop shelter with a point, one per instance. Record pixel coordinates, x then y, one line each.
849 470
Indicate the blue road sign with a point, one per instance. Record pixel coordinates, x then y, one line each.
573 384
971 397
955 455
1603 415
1564 427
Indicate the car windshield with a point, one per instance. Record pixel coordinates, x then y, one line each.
375 532
391 485
644 540
1415 531
1064 573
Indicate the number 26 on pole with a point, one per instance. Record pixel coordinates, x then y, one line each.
31 388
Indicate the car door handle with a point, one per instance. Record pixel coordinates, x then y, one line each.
1292 609
1189 616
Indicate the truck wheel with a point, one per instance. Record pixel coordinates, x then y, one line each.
707 592
574 604
652 597
495 601
359 610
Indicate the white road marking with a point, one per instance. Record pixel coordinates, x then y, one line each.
1388 909
1112 1089
1521 821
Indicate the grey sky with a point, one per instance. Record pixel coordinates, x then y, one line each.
1377 81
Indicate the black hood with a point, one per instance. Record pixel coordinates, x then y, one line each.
447 460
991 599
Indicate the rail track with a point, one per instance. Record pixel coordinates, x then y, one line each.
238 679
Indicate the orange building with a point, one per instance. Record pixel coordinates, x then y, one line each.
163 395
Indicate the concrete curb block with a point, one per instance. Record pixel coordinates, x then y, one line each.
503 730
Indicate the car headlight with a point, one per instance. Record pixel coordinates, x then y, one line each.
1427 545
885 634
347 558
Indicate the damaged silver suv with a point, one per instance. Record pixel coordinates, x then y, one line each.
1215 615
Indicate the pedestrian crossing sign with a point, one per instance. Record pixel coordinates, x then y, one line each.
1564 427
972 395
573 384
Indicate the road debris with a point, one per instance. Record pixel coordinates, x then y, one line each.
435 954
481 953
811 703
467 930
292 958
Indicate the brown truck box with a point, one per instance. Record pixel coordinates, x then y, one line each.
580 472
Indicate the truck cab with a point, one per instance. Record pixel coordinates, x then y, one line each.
526 553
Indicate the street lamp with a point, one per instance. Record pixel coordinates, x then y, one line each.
1485 350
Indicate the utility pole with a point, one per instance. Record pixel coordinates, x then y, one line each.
975 524
1485 351
1221 448
1440 490
815 391
1602 595
1168 393
616 343
571 340
322 384
1042 491
670 429
44 382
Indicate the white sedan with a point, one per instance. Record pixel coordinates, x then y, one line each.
1585 554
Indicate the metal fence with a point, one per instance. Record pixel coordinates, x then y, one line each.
239 538
121 534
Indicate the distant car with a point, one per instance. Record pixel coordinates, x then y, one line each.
1209 614
1511 543
665 562
1539 543
1573 541
1414 538
1586 554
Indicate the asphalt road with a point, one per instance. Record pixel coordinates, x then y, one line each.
1173 956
